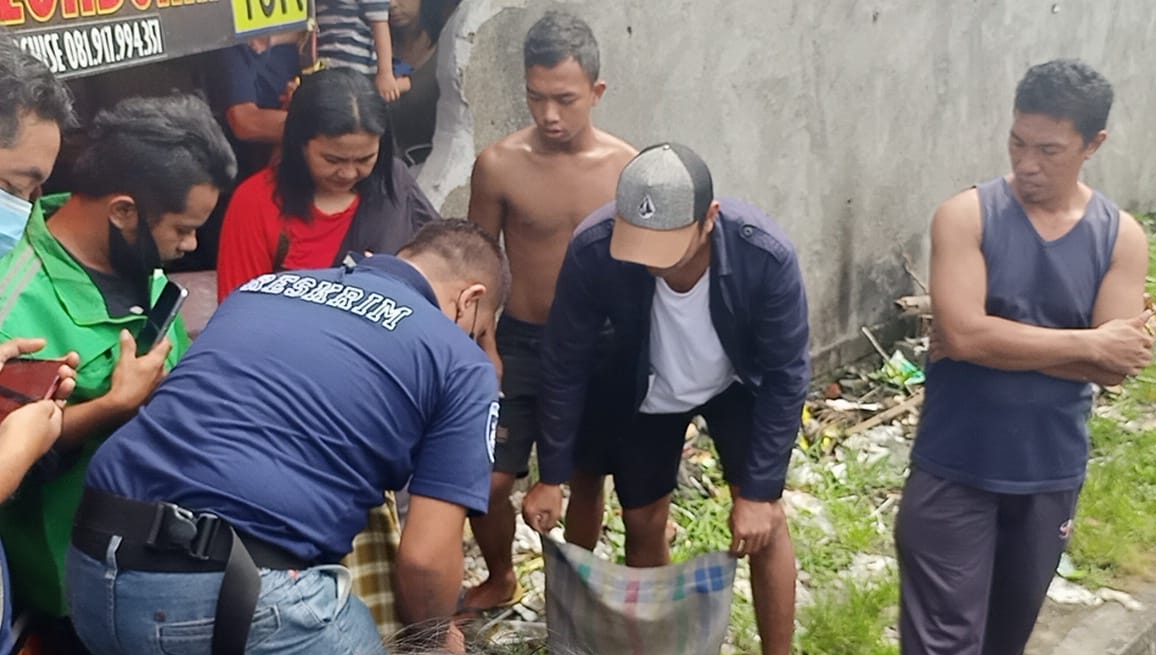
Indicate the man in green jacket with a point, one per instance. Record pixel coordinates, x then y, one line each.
83 276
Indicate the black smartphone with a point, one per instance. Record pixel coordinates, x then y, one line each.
164 311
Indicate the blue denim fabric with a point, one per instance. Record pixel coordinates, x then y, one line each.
146 613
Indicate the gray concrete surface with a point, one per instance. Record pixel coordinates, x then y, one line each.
1105 630
847 120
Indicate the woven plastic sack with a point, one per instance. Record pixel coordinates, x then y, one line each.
595 607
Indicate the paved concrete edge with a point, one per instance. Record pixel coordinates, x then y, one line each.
1143 643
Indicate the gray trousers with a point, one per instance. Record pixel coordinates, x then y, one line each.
974 565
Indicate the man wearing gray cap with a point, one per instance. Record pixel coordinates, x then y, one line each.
710 318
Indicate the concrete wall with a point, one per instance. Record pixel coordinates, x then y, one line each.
848 121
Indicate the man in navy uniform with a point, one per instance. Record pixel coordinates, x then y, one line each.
308 395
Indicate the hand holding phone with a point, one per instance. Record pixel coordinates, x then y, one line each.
134 378
26 380
160 318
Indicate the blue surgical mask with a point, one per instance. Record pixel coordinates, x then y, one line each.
14 212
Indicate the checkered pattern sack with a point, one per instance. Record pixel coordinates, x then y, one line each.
372 562
595 607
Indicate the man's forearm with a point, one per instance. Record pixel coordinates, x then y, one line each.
97 416
777 419
252 123
1012 346
1085 373
427 592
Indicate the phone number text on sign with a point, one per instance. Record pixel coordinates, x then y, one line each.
102 45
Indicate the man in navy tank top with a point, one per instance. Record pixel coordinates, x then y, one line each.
1037 286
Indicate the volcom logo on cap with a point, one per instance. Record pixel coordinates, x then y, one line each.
646 209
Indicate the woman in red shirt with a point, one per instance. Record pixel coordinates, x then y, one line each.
337 188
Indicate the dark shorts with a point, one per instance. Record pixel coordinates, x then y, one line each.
520 346
975 566
644 458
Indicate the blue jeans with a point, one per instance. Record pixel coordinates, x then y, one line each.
142 613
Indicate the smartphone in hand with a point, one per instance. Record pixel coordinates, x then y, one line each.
25 380
160 318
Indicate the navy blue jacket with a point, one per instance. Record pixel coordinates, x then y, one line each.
758 307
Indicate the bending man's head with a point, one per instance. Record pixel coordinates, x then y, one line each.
467 269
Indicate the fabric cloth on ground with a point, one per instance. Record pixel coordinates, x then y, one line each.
371 564
595 606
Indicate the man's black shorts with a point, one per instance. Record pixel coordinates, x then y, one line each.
644 458
520 346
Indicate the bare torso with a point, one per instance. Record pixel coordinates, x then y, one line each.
543 196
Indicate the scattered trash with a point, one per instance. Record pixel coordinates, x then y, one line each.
1068 571
897 369
1069 593
841 405
867 568
1114 596
833 391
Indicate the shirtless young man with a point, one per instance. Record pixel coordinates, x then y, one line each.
534 187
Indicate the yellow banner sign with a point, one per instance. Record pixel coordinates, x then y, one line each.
254 15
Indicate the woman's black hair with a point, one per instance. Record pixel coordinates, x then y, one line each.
433 16
333 102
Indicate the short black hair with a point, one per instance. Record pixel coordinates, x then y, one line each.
27 86
556 37
155 150
465 248
433 16
1067 89
333 102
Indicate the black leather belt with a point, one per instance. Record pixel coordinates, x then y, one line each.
163 537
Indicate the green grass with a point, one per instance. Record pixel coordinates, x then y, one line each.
1115 536
1114 541
850 622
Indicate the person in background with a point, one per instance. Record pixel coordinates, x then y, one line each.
416 26
26 434
336 189
533 188
83 278
1037 286
35 108
252 94
355 34
257 76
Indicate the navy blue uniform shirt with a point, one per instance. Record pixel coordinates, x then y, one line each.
259 78
758 308
308 395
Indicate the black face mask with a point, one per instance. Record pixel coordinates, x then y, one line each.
134 262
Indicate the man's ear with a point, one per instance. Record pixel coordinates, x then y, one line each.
711 217
122 212
1095 144
471 294
599 89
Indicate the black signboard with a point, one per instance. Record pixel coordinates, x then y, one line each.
82 37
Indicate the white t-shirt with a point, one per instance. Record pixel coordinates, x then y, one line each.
687 361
